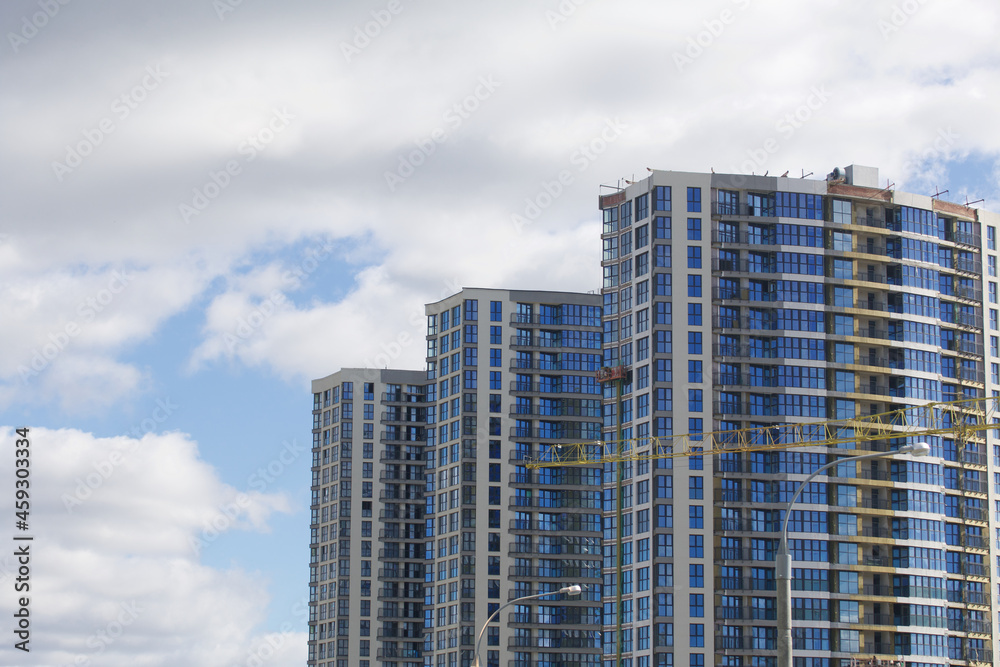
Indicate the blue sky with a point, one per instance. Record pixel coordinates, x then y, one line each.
257 194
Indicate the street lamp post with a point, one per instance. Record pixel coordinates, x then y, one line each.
575 589
784 559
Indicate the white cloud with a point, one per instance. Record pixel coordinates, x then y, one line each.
449 222
114 578
74 324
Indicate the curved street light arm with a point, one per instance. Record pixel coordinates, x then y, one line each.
569 590
783 560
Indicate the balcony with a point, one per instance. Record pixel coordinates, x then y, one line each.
970 320
743 210
402 397
402 457
402 554
412 494
405 596
745 584
568 573
975 570
969 266
415 478
400 634
588 546
416 514
554 388
417 437
549 321
567 523
403 535
876 561
554 642
537 365
746 613
569 411
395 614
723 643
399 653
975 513
593 504
570 431
555 342
572 616
975 542
876 221
399 573
881 590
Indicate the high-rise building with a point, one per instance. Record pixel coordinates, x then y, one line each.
777 300
366 566
739 302
424 518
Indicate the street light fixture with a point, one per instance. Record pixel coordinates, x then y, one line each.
784 560
575 589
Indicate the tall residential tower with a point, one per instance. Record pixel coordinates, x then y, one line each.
739 302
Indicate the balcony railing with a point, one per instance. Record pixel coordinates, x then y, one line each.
568 573
746 613
745 584
571 617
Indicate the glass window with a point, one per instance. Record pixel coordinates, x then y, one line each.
661 228
694 342
728 205
661 198
694 200
843 352
694 401
641 207
694 257
842 211
843 268
848 611
641 236
843 296
694 314
694 285
841 241
626 214
694 229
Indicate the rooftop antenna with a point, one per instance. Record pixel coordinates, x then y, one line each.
970 203
938 193
610 187
784 175
804 174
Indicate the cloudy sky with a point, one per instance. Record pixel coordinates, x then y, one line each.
204 204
